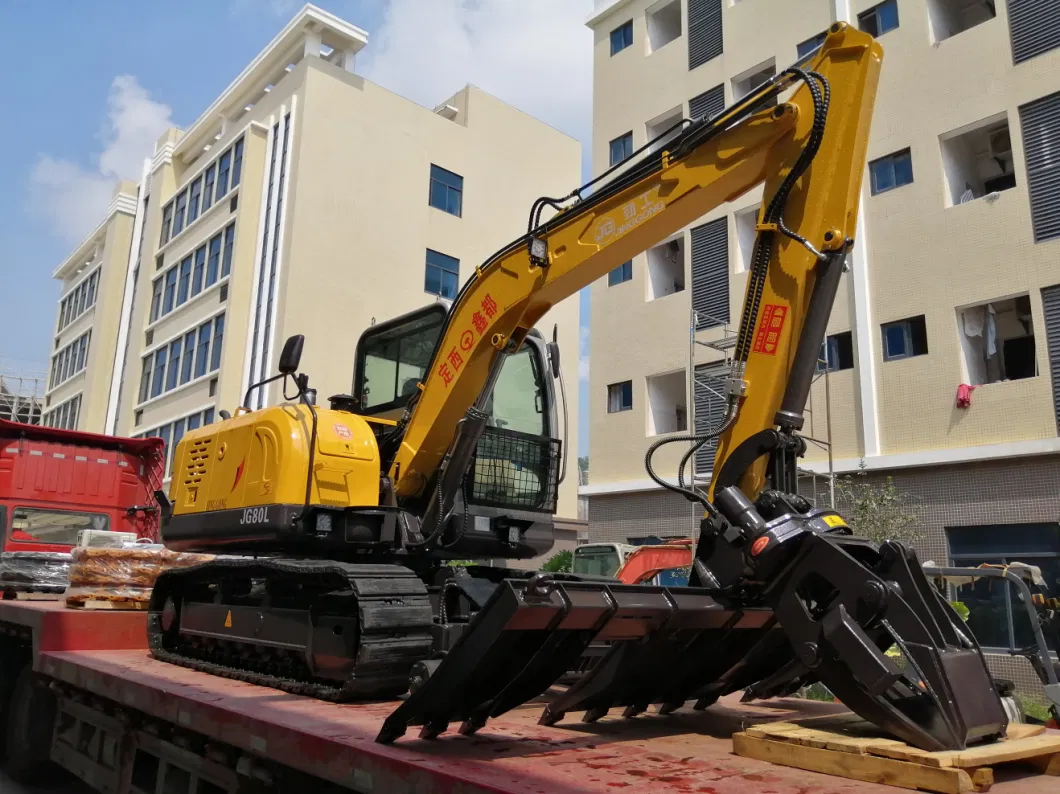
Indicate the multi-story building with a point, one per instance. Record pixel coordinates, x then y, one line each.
955 278
304 200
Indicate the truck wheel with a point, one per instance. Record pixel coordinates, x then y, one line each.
30 722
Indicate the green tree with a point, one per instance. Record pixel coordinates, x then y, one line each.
878 511
583 470
560 562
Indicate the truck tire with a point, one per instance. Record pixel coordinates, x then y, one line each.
30 722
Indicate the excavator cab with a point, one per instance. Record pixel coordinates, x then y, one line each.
505 508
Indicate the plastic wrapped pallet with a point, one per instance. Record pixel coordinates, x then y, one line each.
125 574
34 571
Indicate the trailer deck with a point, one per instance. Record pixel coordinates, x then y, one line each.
104 654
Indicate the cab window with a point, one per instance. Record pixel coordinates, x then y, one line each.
517 402
36 525
393 360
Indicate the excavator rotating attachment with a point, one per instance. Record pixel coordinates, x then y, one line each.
829 614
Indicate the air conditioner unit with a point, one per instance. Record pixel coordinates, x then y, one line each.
1000 143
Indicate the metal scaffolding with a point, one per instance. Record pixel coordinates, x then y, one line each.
702 387
22 396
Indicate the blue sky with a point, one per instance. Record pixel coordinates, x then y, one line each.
95 89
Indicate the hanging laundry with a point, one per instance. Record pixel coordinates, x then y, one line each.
964 395
991 332
974 320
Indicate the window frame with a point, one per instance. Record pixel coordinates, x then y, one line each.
445 264
626 386
624 41
874 14
909 338
890 160
624 271
450 184
622 140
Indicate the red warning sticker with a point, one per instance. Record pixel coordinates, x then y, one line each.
342 431
769 327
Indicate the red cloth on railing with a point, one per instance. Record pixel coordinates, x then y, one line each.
964 395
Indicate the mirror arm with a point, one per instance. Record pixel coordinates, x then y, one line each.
267 381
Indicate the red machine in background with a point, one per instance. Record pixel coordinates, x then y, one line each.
646 562
55 483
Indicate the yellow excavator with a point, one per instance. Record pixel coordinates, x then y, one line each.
336 525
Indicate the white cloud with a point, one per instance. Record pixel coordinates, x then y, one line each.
536 56
583 353
73 198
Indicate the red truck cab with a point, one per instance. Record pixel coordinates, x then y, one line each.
55 483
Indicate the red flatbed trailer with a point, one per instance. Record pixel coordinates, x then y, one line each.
128 723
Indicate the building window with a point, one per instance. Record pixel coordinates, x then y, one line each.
1034 27
904 338
997 341
749 81
620 274
997 616
621 37
172 432
664 25
200 270
184 283
209 178
665 268
837 353
178 361
193 199
64 416
950 17
69 361
79 299
167 221
621 148
804 48
223 166
170 296
443 275
667 403
237 162
178 212
977 162
620 397
891 171
226 258
213 260
446 191
879 19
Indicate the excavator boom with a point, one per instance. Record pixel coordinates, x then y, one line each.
781 593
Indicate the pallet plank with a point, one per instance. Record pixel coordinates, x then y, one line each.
870 768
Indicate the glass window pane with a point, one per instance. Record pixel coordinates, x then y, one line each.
200 270
193 422
171 291
987 609
202 352
237 162
517 402
453 201
887 16
895 340
394 361
903 169
207 188
160 372
226 259
193 199
174 365
437 194
189 357
185 280
433 281
218 337
35 525
213 262
222 175
449 285
882 175
207 416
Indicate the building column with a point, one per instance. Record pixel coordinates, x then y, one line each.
863 328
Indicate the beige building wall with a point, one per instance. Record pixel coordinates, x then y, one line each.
351 237
96 269
918 254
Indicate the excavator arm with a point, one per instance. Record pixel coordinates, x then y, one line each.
782 594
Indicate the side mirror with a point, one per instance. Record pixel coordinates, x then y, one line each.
553 352
292 354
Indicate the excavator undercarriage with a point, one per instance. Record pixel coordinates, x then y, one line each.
448 449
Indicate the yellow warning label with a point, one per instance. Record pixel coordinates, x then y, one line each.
228 620
832 521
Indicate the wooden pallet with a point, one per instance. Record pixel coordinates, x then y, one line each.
99 603
847 746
